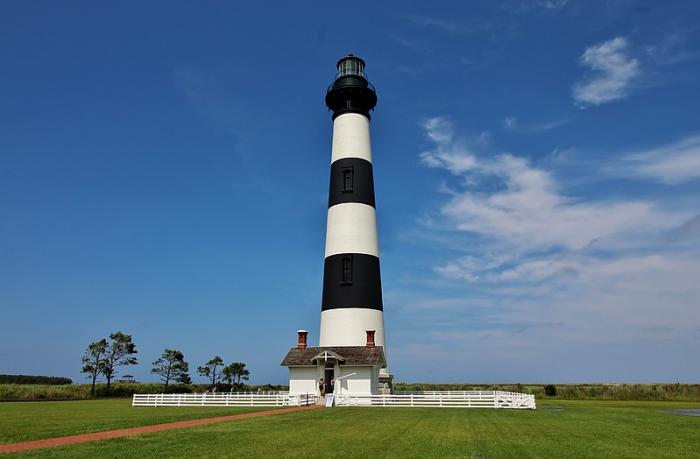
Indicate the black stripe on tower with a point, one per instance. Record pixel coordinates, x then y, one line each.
351 181
352 280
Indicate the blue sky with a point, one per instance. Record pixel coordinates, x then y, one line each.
164 171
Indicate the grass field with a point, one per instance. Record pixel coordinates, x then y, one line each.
575 429
20 421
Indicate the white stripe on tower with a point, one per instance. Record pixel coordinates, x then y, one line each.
351 228
351 137
342 326
352 299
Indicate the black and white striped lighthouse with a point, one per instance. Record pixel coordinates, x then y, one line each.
352 291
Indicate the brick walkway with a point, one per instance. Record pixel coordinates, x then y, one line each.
82 438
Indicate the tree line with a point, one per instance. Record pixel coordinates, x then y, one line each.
34 379
104 357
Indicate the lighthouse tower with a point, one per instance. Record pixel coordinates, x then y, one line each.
350 357
352 291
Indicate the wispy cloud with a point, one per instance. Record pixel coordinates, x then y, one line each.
526 6
545 266
673 163
688 229
528 211
449 154
552 5
513 124
674 48
614 73
447 26
413 45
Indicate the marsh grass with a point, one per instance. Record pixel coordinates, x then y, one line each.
629 392
31 392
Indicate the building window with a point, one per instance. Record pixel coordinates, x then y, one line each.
347 180
347 271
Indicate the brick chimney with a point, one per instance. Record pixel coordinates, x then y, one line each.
302 334
370 338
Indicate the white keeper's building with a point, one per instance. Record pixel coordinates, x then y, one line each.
354 369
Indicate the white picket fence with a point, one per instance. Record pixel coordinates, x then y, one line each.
443 399
225 399
434 399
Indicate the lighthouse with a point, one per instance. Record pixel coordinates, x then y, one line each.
350 357
352 290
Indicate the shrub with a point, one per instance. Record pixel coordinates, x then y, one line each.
32 379
550 390
43 392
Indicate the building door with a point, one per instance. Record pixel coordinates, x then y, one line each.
328 376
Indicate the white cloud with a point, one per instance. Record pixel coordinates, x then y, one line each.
528 211
552 274
531 214
447 154
513 124
673 163
614 73
609 311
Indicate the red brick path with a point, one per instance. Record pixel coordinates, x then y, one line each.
82 438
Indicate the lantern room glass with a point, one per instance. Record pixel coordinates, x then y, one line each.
351 66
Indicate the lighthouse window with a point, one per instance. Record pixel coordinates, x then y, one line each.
351 66
347 179
347 271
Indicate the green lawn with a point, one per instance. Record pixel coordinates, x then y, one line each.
21 421
581 429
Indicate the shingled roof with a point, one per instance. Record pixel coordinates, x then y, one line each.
348 355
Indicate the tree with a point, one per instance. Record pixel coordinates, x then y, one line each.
94 360
171 366
550 390
119 353
208 370
235 372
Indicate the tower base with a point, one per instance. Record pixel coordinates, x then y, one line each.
348 327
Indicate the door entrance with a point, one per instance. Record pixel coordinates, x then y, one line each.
328 376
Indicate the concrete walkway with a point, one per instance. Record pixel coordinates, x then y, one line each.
82 438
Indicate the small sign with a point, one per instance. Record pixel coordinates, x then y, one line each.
329 400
